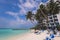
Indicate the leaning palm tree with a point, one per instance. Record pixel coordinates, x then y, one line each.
29 15
39 17
51 8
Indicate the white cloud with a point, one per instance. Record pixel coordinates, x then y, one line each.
28 5
14 15
18 21
11 13
24 7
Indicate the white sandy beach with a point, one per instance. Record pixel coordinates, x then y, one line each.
31 36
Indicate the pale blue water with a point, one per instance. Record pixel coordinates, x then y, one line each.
4 33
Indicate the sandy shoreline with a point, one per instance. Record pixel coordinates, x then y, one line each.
30 36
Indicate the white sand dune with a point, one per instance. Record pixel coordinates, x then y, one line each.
31 36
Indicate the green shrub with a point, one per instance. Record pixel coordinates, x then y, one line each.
58 27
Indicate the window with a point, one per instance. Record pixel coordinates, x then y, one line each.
55 16
51 20
57 23
55 19
50 17
49 14
52 23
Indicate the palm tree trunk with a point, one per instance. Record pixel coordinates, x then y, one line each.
46 16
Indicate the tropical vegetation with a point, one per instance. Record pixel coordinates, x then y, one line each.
51 8
58 27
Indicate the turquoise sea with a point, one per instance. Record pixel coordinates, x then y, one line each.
4 33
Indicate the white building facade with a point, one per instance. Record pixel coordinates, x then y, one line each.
53 21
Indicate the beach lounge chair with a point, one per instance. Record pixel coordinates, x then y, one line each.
38 32
51 37
47 38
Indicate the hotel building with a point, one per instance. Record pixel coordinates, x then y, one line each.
53 20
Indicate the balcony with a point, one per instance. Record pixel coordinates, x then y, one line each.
57 23
55 19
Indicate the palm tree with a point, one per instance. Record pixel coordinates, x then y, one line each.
42 13
29 15
39 17
51 8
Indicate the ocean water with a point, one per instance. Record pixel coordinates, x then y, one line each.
4 33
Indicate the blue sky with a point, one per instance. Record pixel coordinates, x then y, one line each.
12 13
